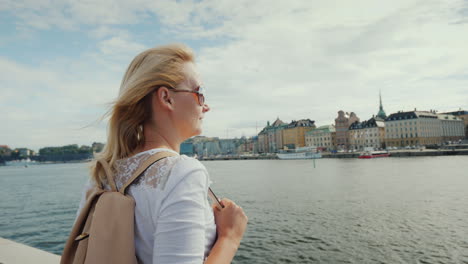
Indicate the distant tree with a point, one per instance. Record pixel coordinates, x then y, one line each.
68 149
15 154
65 153
97 147
85 149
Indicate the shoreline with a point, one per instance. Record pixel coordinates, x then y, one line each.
35 163
393 153
271 156
406 153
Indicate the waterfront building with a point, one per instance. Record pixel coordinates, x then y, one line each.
197 143
247 145
463 115
453 128
5 150
187 148
205 146
270 139
23 152
198 148
211 147
322 137
228 146
263 140
369 133
342 123
254 145
275 135
413 128
333 135
294 133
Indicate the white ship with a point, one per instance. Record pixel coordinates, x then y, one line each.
22 162
300 153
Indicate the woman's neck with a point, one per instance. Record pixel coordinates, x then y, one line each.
153 145
158 138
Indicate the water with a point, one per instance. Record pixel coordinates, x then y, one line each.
389 210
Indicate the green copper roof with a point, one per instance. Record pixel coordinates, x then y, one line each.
381 113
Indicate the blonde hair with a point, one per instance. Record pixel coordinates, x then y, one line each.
160 66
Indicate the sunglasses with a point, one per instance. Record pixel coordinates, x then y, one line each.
198 93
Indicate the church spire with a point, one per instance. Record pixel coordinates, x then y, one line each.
380 96
381 113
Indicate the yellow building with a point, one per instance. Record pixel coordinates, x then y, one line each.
294 133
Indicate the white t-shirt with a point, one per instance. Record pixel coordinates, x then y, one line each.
174 222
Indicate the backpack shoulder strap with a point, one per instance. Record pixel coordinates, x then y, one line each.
154 158
109 174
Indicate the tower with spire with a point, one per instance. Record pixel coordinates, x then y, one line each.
381 114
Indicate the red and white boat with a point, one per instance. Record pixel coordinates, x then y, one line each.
374 154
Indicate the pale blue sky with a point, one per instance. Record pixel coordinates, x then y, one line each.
61 62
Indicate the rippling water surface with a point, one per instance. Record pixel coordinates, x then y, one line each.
389 210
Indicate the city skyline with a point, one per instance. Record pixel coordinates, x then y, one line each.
259 129
61 64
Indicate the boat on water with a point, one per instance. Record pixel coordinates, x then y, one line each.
22 162
374 154
300 153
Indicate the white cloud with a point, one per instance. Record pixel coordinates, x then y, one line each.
43 14
45 106
299 59
292 66
118 45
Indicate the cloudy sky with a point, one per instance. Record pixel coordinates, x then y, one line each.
61 62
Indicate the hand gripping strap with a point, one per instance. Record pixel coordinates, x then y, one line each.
154 158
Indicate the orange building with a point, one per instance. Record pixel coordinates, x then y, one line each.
294 133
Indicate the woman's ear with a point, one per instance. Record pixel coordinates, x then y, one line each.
164 97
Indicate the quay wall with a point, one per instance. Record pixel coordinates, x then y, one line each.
398 153
405 153
15 253
263 157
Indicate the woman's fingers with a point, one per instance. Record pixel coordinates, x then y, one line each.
227 202
230 221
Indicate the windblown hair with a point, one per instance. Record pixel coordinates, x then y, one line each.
155 67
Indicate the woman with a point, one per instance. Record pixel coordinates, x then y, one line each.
161 104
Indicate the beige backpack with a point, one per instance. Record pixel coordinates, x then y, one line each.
104 230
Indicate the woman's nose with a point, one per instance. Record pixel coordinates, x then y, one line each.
206 108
